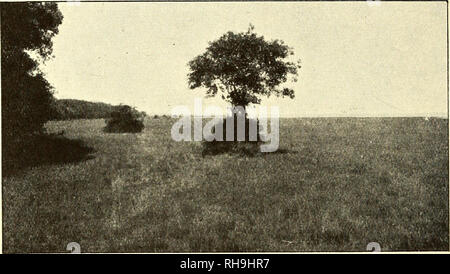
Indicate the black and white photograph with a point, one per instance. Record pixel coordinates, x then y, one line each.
224 127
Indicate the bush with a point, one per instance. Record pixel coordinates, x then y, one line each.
125 119
246 147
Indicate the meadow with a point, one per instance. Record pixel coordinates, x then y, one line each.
335 184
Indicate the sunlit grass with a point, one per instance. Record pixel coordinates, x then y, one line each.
335 185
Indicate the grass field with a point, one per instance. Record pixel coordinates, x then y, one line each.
336 184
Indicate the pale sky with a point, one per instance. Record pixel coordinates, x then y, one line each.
357 59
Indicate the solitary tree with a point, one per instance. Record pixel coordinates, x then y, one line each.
243 67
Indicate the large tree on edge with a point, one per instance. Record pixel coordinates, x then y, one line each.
26 94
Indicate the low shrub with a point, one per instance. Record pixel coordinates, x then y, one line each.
125 120
248 146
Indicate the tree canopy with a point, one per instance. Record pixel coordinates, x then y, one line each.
243 67
26 94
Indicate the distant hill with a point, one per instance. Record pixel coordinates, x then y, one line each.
68 109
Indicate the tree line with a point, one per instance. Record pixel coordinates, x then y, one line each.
70 109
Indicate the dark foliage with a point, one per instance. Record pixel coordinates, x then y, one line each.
26 94
68 109
125 119
243 67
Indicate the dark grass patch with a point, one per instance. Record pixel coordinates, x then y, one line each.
241 148
43 149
